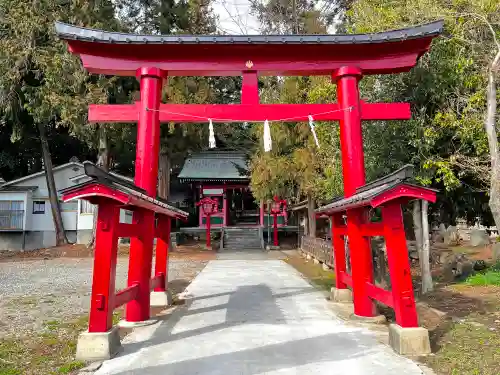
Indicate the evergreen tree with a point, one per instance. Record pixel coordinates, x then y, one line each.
41 85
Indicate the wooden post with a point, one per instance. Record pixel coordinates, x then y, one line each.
162 248
399 266
275 225
104 272
361 262
339 251
224 207
208 224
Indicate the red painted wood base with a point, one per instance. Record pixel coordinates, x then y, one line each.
140 262
339 251
399 266
361 263
102 301
162 248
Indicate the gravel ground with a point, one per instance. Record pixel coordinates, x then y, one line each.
38 291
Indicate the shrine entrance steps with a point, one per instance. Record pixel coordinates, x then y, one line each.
242 239
249 317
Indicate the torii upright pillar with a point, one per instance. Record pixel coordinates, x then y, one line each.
146 176
353 169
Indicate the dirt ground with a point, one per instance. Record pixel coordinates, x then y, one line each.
463 320
44 302
192 251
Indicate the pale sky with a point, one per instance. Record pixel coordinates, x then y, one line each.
235 17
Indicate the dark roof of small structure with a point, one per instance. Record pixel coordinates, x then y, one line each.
215 166
98 175
18 188
66 31
367 192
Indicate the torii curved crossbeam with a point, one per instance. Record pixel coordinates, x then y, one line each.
224 55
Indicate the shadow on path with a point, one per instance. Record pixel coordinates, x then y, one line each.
326 348
246 305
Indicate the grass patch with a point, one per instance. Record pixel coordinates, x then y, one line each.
490 276
487 278
314 272
71 366
468 348
46 353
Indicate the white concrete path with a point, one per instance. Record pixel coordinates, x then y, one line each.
253 317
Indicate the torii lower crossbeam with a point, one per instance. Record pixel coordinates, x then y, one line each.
119 113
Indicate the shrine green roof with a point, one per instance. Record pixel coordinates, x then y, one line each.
215 166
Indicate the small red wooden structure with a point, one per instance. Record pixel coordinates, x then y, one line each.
278 207
152 59
388 193
209 207
151 219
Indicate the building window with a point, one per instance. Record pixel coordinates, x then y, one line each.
68 206
11 214
11 205
38 207
86 207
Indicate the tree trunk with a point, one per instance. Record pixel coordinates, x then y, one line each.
103 161
61 238
417 226
491 132
306 224
426 248
164 176
311 215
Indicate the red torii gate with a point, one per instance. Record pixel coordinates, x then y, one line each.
152 59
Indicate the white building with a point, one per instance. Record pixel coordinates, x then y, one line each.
25 212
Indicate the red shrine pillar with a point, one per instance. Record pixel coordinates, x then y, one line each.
353 169
399 266
104 273
339 249
162 247
146 176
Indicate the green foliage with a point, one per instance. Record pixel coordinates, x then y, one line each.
445 138
37 74
296 167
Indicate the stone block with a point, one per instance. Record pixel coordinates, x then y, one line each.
479 237
316 261
91 368
272 247
496 251
412 341
341 295
160 299
377 319
126 324
342 310
98 346
308 257
438 236
325 267
451 236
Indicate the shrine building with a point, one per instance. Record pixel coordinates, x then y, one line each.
224 176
